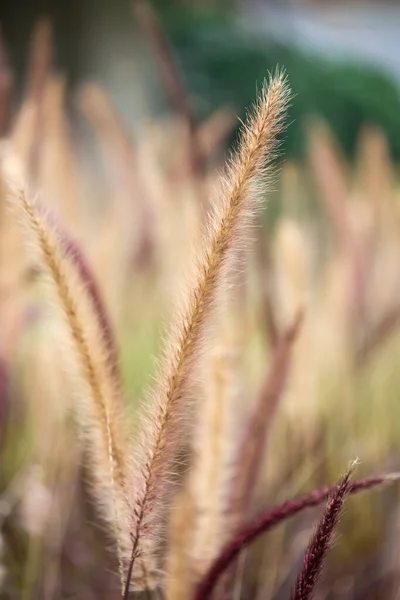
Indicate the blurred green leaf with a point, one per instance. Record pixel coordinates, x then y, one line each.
221 63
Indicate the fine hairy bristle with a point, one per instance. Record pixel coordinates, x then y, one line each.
75 253
227 230
88 356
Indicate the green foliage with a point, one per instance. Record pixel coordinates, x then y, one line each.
221 61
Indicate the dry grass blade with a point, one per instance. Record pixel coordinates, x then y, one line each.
212 134
251 451
387 325
320 542
40 58
330 179
58 173
122 155
214 443
98 109
170 77
376 174
265 272
6 89
227 230
270 520
99 408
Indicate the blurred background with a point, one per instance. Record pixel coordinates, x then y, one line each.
341 57
122 115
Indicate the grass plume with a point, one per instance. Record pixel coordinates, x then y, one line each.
319 545
227 230
99 408
249 533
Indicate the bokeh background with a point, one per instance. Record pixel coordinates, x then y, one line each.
121 115
341 57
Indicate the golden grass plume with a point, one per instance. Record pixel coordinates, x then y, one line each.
227 229
87 353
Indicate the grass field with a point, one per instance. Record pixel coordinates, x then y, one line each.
187 346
